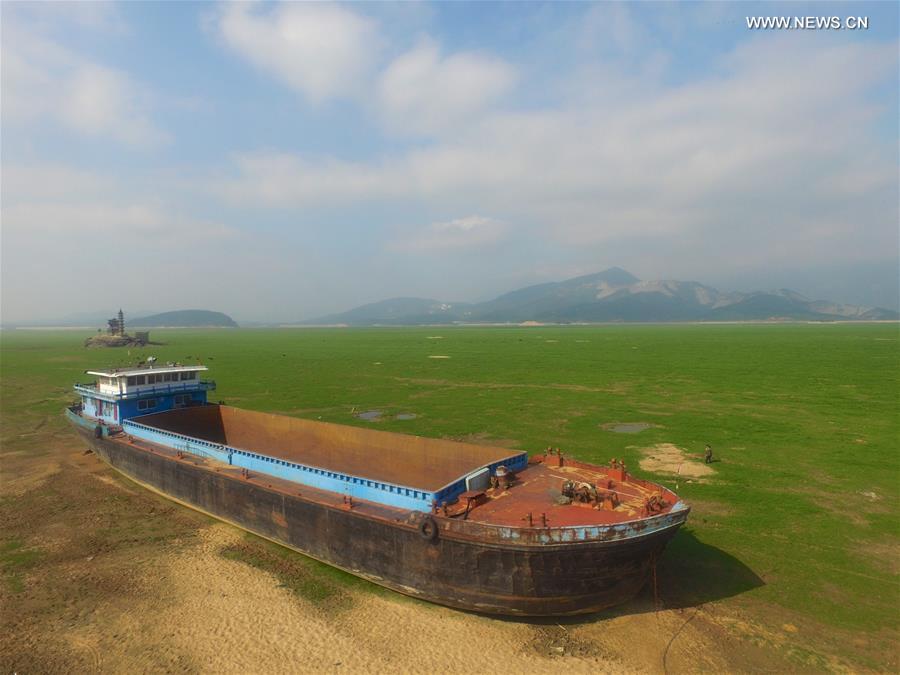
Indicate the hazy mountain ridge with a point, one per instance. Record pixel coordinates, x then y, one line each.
611 295
401 311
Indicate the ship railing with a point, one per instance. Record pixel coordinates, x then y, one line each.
176 441
334 481
192 448
347 484
174 388
551 534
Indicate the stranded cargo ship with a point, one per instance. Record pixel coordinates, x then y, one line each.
469 526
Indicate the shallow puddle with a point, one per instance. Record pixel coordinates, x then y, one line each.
628 427
369 415
405 416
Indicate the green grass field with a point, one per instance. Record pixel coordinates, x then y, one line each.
799 522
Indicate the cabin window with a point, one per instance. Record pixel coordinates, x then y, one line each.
188 376
147 404
132 380
139 379
182 400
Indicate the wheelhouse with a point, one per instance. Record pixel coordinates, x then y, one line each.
122 393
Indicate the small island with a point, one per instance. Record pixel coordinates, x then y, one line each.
115 335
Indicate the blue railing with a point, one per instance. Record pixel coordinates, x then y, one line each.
181 442
91 389
333 481
131 424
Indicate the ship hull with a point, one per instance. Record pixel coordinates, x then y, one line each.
456 571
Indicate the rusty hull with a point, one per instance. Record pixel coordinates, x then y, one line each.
470 564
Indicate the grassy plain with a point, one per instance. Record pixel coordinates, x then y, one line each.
797 531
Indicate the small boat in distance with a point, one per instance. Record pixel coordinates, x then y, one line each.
470 526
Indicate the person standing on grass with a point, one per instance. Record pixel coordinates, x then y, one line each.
708 456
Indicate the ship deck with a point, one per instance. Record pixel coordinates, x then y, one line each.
536 491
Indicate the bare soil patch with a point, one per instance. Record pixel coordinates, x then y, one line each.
28 477
669 458
628 427
884 556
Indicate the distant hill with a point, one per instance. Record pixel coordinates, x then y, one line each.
401 311
184 318
611 295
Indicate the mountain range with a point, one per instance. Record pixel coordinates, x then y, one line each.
613 295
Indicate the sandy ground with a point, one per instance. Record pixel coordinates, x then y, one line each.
129 582
202 611
669 458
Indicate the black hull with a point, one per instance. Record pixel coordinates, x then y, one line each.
457 571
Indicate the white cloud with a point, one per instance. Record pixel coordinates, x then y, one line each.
43 80
610 27
100 101
326 51
470 232
278 179
423 92
97 15
321 50
742 149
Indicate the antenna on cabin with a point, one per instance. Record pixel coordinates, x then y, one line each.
151 360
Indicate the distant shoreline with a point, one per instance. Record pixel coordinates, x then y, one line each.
762 322
757 322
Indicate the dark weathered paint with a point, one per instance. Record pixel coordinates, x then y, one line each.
469 566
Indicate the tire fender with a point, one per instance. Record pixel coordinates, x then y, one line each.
428 529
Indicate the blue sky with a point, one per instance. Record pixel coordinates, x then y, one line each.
280 161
